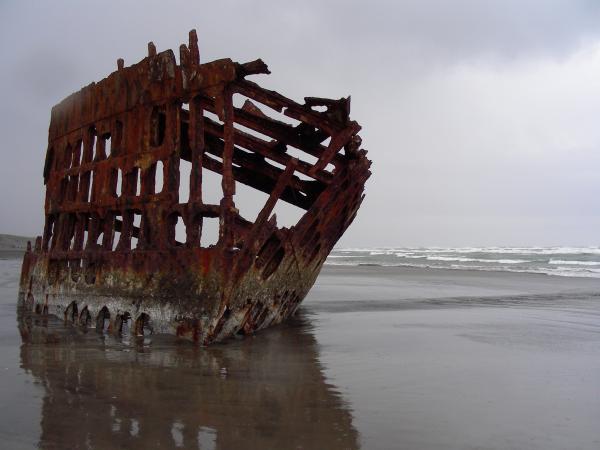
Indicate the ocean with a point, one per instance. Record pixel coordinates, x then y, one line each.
561 261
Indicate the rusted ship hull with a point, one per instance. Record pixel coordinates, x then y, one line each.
95 265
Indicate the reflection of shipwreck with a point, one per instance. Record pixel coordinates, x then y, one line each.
263 393
109 255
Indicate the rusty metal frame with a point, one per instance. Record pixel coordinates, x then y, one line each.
157 113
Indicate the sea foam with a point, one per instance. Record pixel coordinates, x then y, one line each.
558 260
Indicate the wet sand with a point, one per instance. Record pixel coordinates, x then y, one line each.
377 358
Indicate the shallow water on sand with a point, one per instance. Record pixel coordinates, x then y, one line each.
376 360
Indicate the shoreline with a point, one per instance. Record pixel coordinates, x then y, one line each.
408 266
424 272
446 269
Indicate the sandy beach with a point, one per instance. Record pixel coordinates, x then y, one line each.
377 358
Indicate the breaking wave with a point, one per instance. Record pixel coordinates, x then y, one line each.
577 263
559 261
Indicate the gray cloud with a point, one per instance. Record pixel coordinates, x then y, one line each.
479 115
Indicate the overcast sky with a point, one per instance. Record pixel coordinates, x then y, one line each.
482 118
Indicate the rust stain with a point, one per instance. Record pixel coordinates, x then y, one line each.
109 258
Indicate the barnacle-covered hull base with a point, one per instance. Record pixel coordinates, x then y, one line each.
110 256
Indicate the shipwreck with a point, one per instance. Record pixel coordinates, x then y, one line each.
110 257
